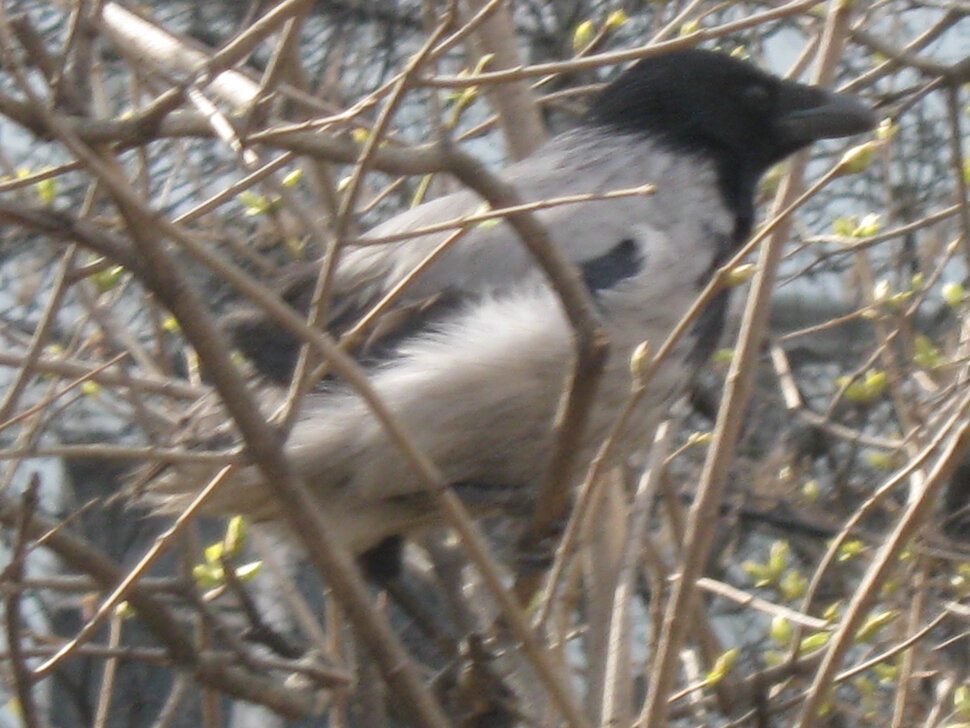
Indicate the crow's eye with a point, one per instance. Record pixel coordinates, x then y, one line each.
757 97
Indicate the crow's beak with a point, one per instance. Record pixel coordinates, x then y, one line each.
809 113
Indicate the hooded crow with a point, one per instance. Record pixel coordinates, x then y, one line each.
477 369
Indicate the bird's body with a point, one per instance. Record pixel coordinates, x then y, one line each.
476 378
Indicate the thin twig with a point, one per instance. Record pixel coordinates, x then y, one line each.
12 576
615 57
954 444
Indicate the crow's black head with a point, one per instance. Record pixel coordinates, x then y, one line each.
715 105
